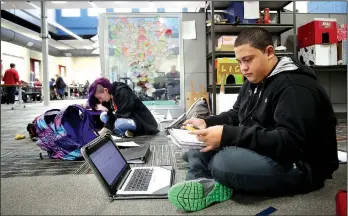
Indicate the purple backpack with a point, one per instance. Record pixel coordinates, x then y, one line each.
62 133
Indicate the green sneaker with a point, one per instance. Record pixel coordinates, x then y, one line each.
196 195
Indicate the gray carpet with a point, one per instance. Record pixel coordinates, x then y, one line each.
21 157
32 186
82 195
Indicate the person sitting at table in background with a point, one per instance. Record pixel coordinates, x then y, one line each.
127 115
52 83
37 85
173 83
25 90
11 77
53 91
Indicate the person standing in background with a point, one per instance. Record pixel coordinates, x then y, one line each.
11 77
60 86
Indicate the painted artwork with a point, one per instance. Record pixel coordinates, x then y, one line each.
139 46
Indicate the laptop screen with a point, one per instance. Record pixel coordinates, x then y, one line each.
109 162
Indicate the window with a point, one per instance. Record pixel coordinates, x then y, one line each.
144 52
71 12
123 10
94 12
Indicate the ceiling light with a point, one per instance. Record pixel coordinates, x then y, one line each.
68 54
2 2
92 4
59 2
30 44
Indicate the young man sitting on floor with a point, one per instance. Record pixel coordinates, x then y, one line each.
278 138
126 114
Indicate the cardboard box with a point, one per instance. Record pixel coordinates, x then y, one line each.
226 40
226 48
321 54
319 31
341 32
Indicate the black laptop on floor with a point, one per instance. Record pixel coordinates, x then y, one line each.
119 180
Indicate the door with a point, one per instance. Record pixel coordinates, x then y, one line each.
35 66
62 71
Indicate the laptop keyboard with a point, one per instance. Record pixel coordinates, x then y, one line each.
140 180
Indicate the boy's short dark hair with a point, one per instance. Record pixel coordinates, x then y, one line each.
256 37
12 65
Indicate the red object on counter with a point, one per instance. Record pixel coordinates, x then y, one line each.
266 18
317 32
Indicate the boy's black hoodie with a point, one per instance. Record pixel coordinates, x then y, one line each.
128 105
288 117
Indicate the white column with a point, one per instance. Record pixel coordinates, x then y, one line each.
44 36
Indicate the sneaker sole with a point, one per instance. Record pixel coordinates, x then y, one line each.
189 195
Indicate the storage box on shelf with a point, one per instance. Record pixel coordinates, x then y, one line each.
236 12
317 42
318 54
226 43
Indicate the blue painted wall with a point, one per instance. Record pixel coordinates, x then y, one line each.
86 25
327 7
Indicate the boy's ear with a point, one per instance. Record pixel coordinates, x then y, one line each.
106 90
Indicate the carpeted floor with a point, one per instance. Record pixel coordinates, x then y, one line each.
162 153
21 157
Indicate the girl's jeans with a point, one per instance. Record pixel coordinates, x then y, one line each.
121 124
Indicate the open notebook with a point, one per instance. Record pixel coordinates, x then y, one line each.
183 139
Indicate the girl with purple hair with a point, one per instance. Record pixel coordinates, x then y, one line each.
126 115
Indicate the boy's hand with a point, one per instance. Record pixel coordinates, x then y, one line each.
211 137
198 123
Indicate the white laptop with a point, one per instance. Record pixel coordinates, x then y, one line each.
119 180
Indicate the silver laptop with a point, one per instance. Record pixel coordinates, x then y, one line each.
119 180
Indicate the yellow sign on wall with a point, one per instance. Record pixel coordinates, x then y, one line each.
227 67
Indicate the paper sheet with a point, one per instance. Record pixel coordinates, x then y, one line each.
251 10
189 30
115 137
184 136
127 144
342 156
